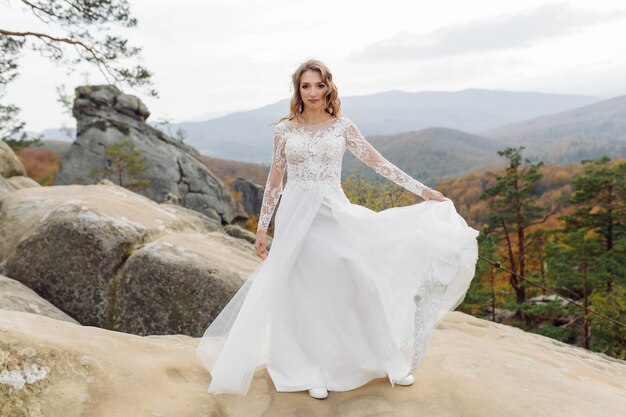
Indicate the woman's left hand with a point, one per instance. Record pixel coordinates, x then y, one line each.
431 194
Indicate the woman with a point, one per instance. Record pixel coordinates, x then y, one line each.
346 294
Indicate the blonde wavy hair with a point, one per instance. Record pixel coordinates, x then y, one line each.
296 107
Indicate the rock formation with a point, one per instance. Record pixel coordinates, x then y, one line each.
5 187
114 259
104 115
12 173
18 297
10 165
251 195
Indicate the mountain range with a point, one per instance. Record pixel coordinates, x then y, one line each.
434 135
586 132
247 136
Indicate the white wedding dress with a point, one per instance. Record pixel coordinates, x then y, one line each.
346 294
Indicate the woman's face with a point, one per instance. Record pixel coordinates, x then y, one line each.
313 91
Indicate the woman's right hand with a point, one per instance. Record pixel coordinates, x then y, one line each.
260 244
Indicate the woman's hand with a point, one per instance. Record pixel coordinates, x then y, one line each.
259 244
430 194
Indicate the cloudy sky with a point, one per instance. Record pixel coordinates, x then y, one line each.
214 57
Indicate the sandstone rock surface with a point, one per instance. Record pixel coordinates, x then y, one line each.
19 181
17 297
473 368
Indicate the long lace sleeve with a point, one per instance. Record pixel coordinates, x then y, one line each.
274 183
363 150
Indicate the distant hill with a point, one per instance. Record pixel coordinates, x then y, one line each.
470 110
430 155
59 146
246 136
570 136
60 134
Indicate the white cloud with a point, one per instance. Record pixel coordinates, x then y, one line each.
512 30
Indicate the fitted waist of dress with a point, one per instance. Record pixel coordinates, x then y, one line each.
324 188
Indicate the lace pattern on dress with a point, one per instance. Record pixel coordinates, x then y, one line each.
363 150
274 184
427 305
312 157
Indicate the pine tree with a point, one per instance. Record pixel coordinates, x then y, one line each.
610 338
513 210
575 264
125 164
481 295
587 257
600 200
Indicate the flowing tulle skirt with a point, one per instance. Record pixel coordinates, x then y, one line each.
345 295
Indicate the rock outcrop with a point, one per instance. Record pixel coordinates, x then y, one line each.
251 195
241 233
473 368
12 173
104 115
115 259
10 165
16 296
5 187
19 182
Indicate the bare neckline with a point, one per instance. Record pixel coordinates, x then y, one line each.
313 124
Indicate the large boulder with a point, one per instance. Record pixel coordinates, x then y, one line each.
174 281
251 195
115 259
104 115
241 233
10 165
473 368
5 187
12 172
19 181
16 296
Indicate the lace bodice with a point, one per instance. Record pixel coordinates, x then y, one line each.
312 156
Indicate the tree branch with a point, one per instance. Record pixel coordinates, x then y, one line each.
47 13
44 37
553 211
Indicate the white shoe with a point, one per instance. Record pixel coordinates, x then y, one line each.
319 392
407 380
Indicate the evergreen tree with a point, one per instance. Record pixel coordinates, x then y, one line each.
599 199
575 264
482 295
587 257
512 210
125 164
610 338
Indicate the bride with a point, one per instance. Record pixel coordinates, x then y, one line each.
345 294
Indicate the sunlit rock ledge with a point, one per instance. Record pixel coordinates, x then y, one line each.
473 368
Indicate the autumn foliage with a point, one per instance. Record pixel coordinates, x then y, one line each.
41 164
